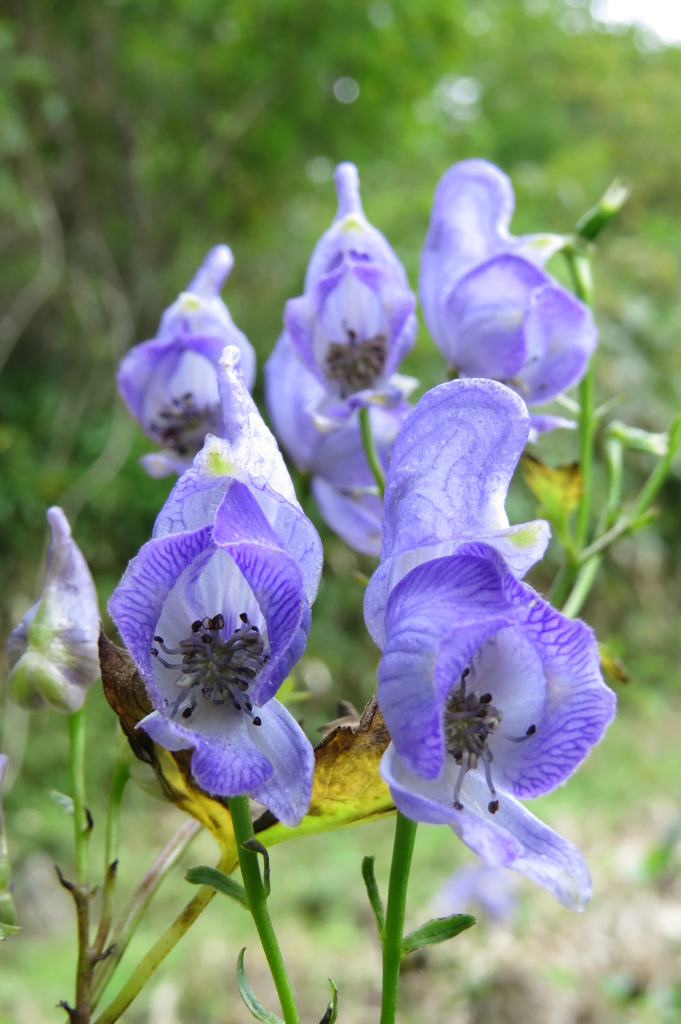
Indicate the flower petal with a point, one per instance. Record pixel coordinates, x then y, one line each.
511 838
355 518
288 790
291 390
424 656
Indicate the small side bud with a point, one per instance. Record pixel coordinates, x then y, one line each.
592 223
52 652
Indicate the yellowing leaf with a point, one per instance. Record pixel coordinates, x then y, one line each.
558 490
612 666
347 788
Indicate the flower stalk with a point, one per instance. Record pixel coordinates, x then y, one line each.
405 834
257 901
372 455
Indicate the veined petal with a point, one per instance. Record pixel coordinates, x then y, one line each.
424 656
356 518
350 234
281 740
511 838
561 336
274 576
291 391
485 314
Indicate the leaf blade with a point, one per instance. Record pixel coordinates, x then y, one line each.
437 930
246 992
205 875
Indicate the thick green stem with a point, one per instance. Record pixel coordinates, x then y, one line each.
257 903
405 834
372 455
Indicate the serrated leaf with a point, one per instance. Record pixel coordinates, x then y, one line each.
373 892
248 996
439 929
332 1009
612 665
63 800
205 875
558 491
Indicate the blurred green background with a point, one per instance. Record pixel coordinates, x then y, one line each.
136 134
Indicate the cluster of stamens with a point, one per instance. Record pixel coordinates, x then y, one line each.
469 720
355 364
221 671
181 424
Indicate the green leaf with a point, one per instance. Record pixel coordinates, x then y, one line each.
64 801
332 1009
248 996
11 929
373 893
255 846
205 875
437 930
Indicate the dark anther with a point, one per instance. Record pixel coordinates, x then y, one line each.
257 721
243 617
466 672
493 806
218 622
531 731
458 806
255 629
187 713
154 652
486 698
159 639
196 626
206 638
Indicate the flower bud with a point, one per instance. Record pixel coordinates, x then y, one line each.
611 202
52 652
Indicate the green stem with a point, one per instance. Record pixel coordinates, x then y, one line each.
405 834
81 890
257 902
157 955
583 585
372 455
80 822
121 774
131 916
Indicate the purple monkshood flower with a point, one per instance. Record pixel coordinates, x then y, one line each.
215 610
491 308
170 383
52 652
355 322
489 694
342 482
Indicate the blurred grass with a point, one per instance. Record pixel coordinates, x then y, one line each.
135 135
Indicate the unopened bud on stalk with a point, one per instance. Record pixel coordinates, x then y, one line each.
52 652
610 203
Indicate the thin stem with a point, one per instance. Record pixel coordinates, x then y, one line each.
372 455
583 584
157 954
257 901
405 834
579 267
121 774
80 822
81 890
139 901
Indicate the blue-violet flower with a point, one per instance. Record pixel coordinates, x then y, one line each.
170 383
215 609
341 480
355 322
489 694
490 306
52 652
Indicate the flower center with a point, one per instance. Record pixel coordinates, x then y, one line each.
469 720
182 424
355 364
218 670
